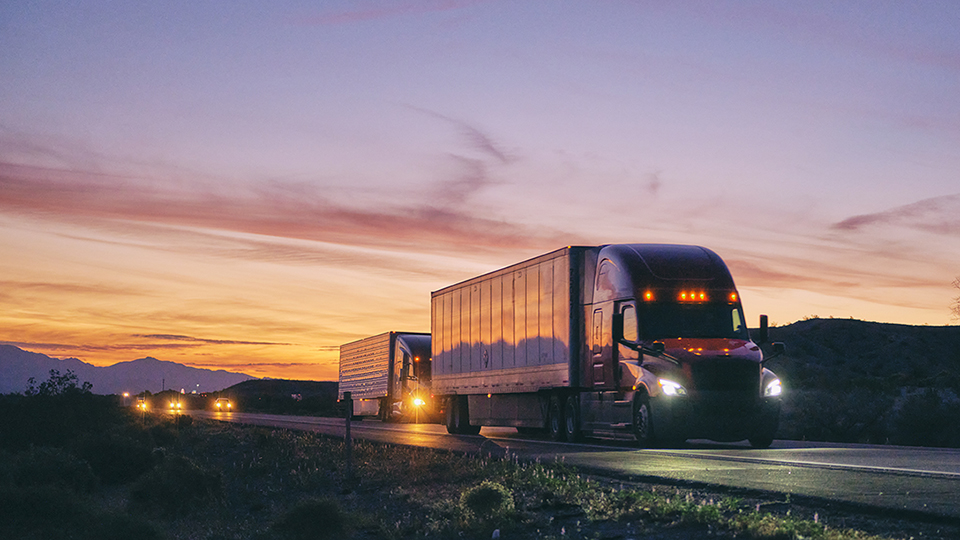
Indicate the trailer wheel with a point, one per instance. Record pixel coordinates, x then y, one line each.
458 417
761 440
571 415
642 424
451 416
555 422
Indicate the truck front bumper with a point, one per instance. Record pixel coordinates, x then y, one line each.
716 416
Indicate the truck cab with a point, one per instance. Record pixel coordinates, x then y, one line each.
669 354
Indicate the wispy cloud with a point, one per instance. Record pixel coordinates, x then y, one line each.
269 208
202 341
938 215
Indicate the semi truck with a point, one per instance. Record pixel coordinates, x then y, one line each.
641 340
388 376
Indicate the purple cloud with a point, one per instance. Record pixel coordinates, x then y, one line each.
938 215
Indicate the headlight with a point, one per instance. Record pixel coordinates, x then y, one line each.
774 388
417 402
671 388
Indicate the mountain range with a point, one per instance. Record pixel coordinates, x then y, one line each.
17 366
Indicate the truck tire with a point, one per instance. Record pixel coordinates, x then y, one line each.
451 416
555 421
761 440
571 416
642 422
458 417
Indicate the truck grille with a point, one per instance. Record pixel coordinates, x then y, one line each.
727 375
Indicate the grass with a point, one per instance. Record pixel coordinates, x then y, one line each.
218 481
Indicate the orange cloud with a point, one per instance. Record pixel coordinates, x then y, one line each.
293 211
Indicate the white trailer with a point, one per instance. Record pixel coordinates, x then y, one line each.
388 376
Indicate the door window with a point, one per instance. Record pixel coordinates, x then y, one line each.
629 330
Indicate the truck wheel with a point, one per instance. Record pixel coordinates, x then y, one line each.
463 419
555 422
761 440
451 416
571 415
458 417
642 424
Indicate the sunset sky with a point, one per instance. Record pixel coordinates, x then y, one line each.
247 186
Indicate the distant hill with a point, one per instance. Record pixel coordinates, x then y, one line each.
282 396
18 365
855 381
837 353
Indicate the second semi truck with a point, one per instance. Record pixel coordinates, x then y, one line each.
642 339
388 376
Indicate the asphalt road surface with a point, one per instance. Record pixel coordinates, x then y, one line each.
922 480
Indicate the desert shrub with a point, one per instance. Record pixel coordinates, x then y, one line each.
53 420
926 419
855 415
50 512
52 467
164 432
487 502
115 458
176 486
315 519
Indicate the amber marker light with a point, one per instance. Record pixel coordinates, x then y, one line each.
733 297
692 296
648 296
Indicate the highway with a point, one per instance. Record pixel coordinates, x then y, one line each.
907 479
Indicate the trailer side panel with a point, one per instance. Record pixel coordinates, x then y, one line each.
365 367
508 331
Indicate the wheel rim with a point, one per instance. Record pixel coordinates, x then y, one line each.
641 422
556 426
571 418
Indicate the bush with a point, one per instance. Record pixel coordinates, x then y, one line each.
314 519
926 419
53 420
488 501
52 467
176 486
856 415
116 459
49 512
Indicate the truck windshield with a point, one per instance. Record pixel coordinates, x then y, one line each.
666 321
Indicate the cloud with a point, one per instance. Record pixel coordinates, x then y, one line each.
59 288
283 210
46 346
190 339
938 215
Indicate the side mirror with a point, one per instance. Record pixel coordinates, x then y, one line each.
778 349
763 334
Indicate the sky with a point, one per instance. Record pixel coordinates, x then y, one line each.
247 186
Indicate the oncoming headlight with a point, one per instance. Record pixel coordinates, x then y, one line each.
671 388
418 402
774 388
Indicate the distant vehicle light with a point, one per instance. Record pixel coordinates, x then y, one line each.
417 402
648 296
774 388
671 388
733 297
